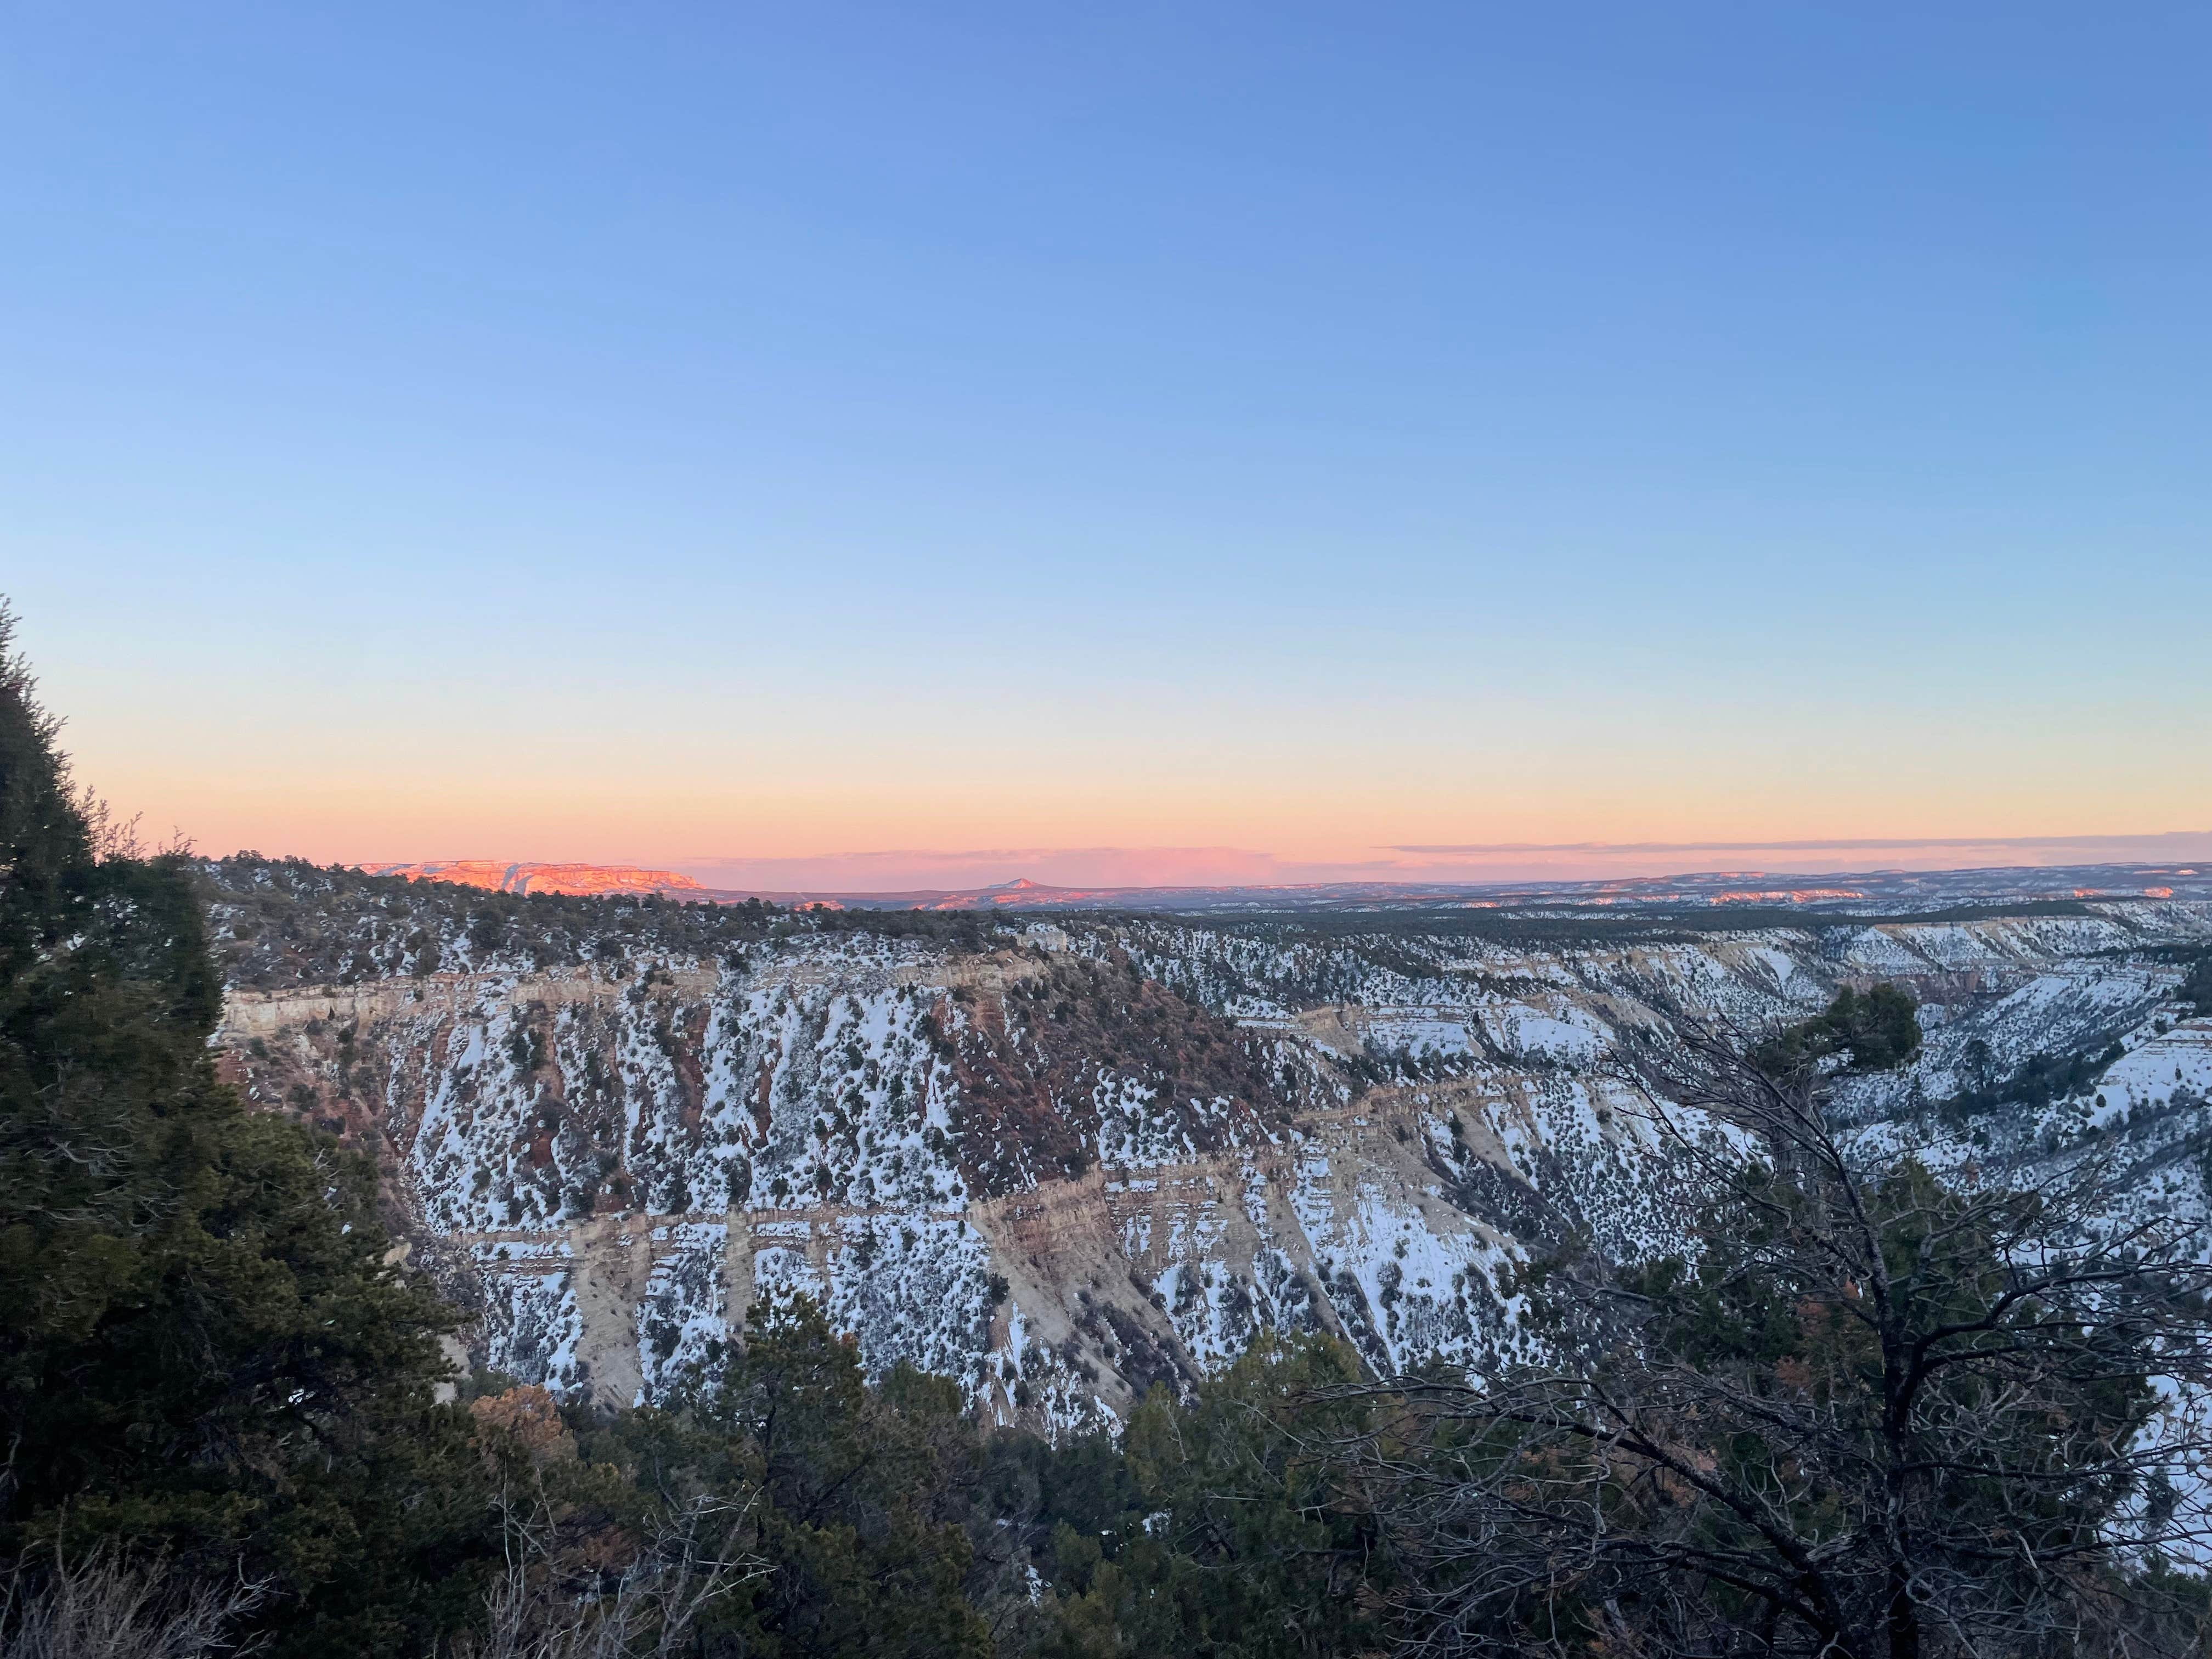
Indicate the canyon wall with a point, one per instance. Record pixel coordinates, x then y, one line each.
1061 1162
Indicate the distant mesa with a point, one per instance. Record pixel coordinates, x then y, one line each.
579 878
1838 892
1784 895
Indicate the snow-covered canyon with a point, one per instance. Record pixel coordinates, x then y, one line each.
1061 1163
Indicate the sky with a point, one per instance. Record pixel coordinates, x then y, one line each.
885 445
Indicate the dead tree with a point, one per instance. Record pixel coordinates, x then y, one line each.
542 1607
104 1606
1888 1404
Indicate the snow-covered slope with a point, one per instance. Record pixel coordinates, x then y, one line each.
1063 1162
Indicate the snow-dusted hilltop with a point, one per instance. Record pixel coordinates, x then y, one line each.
1062 1160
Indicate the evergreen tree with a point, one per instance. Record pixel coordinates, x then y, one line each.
862 1494
1876 1030
202 1349
1224 1530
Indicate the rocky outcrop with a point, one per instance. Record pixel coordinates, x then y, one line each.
570 878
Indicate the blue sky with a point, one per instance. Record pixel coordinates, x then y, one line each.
704 433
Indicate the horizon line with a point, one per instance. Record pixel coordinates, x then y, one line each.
1848 843
1448 882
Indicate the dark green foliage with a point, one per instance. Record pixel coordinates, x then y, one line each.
202 1349
1872 1031
964 930
2037 1081
1222 1528
2196 985
865 1493
866 1505
47 865
1876 1030
888 1522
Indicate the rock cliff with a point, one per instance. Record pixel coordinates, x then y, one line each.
1063 1162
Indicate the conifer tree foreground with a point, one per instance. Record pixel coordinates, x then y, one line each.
203 1352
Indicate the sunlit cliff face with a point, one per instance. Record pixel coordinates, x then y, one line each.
575 879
